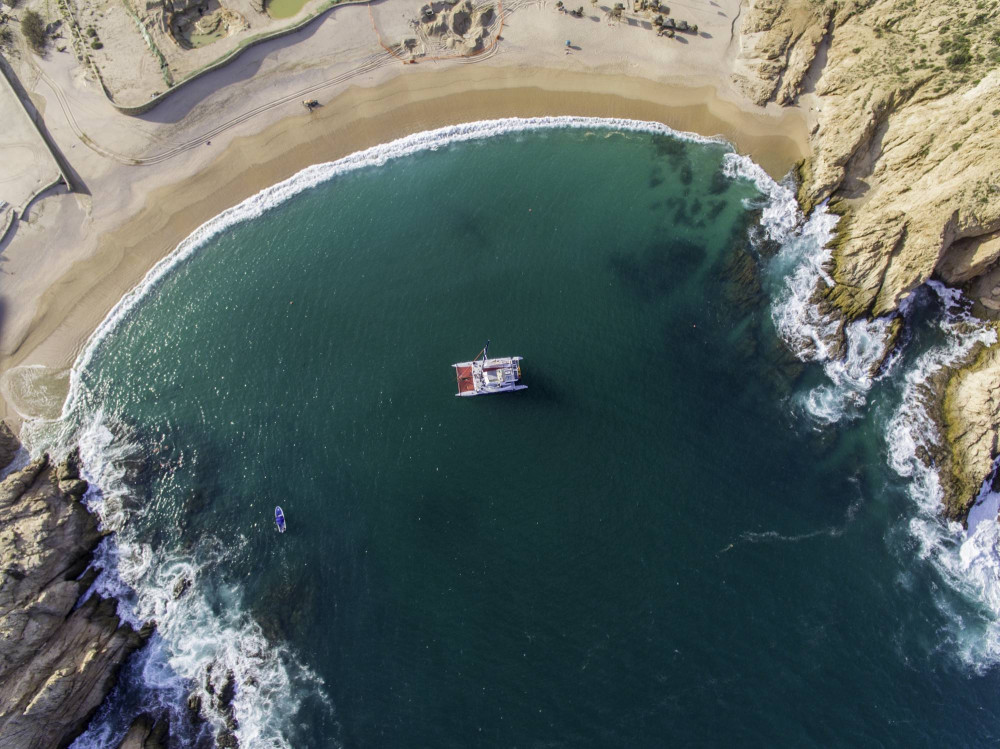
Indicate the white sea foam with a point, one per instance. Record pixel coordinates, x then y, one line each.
314 175
795 273
968 560
986 506
780 215
197 644
192 635
832 531
144 578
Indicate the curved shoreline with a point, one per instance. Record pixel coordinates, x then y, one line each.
76 302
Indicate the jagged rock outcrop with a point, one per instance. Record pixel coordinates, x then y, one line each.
9 445
146 732
222 695
906 140
906 133
777 44
57 661
970 414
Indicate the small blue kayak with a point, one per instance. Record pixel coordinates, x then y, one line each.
279 519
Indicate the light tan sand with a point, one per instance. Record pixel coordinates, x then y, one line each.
26 166
98 248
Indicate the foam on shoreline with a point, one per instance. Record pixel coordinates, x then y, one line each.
968 561
144 578
312 176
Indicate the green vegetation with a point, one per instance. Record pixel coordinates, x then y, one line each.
955 43
168 77
284 8
33 28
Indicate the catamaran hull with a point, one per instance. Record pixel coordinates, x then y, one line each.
488 376
490 392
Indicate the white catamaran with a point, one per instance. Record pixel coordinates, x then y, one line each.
483 375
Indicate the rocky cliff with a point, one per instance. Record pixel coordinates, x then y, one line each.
58 657
905 101
9 445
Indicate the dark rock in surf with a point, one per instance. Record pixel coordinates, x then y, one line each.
227 693
69 469
146 732
181 587
892 338
75 488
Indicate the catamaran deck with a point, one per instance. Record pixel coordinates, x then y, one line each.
484 376
466 383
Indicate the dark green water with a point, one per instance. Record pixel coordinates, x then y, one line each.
648 547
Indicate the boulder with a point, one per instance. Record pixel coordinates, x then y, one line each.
147 732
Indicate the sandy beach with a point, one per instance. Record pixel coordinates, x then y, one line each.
151 180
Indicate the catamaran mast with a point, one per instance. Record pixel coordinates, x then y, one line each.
483 352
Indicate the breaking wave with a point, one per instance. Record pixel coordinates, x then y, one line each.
203 641
430 140
968 559
204 638
854 357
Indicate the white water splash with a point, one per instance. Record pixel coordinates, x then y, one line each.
312 176
781 215
199 642
816 335
969 560
192 634
811 333
144 578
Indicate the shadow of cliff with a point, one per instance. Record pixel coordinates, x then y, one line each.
74 181
179 102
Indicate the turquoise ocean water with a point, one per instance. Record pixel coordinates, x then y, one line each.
699 525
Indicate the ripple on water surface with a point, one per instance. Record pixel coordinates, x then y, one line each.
655 539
